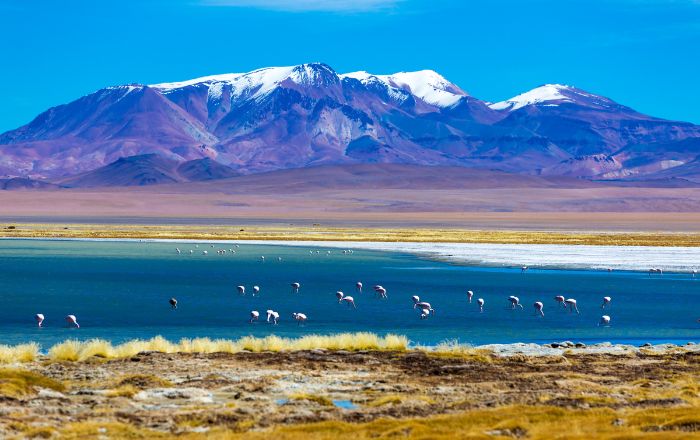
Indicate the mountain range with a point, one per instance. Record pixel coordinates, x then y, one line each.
309 115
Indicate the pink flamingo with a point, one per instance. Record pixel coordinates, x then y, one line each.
424 314
539 306
254 315
606 302
604 320
339 295
424 306
274 316
560 300
300 318
72 321
173 303
358 286
514 302
241 290
470 294
480 301
572 305
416 300
256 290
348 300
295 287
381 291
39 319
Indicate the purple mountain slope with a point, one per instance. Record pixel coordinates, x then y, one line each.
149 169
308 115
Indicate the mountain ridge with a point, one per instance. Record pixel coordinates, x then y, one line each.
308 115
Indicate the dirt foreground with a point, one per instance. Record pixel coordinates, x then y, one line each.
322 394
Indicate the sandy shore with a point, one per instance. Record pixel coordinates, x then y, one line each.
490 392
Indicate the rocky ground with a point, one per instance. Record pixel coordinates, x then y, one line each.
477 393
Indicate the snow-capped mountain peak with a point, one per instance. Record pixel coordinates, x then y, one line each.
427 85
552 95
548 93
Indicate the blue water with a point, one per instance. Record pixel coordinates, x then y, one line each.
120 291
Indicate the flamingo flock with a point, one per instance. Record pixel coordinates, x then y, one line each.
424 308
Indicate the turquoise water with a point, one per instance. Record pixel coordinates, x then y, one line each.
120 291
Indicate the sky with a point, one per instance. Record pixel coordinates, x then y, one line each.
641 53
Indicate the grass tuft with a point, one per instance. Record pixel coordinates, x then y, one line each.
20 383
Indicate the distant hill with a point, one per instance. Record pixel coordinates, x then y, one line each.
149 169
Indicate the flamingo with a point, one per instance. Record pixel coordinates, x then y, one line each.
205 253
300 318
178 250
424 306
572 305
262 258
295 287
72 321
694 272
381 291
514 302
241 290
349 300
424 313
539 306
358 286
523 269
470 294
560 300
416 300
256 290
606 301
604 320
480 301
339 295
272 315
173 303
39 319
254 315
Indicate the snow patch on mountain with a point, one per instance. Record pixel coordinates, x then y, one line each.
427 85
543 94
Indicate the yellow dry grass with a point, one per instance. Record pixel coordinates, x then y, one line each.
326 233
18 353
73 350
19 383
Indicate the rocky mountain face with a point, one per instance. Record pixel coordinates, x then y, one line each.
308 115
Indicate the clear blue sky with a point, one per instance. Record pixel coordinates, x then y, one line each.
642 53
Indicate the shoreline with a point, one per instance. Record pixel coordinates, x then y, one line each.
672 259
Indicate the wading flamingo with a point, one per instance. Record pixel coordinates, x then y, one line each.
572 305
380 291
470 295
480 301
424 313
523 269
604 320
358 286
416 300
173 303
72 321
241 290
299 317
39 319
425 306
560 300
349 300
539 306
295 287
254 315
514 302
273 316
256 290
606 302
